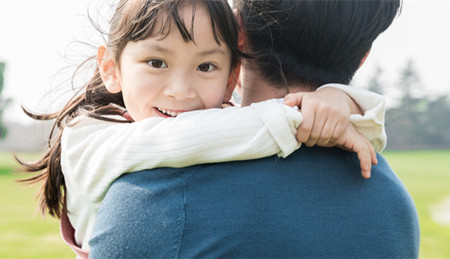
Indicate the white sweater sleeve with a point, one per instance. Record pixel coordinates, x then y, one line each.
95 152
371 123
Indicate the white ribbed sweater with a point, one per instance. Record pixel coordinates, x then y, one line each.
95 153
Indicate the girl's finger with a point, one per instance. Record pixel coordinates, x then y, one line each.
294 99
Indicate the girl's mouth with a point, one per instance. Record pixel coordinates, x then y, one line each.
168 113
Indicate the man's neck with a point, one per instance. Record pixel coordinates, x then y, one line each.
255 89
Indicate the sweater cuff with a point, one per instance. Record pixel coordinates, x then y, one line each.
282 122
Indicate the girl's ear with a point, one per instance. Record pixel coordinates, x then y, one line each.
108 71
231 84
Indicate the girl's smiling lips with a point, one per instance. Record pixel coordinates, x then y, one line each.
168 113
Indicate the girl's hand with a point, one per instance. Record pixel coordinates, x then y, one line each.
354 141
326 113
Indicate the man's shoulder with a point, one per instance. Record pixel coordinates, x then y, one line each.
315 191
317 161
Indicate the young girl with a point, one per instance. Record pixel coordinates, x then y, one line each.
164 61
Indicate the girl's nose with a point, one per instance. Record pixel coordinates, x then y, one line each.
180 88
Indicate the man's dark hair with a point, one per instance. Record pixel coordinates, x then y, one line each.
312 42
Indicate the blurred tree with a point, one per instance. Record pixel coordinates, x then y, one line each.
437 121
3 102
405 118
409 79
417 122
375 83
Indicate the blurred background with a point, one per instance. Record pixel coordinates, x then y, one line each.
409 63
42 42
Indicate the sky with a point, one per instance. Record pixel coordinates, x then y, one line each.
37 43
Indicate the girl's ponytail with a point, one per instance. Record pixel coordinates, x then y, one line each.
94 101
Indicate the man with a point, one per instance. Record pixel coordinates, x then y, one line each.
313 203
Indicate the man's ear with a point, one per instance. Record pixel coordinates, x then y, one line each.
364 58
242 36
108 71
232 81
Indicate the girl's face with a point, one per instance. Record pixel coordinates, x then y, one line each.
163 77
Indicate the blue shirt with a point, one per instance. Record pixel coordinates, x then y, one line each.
312 204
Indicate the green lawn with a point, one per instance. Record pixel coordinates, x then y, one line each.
24 233
426 174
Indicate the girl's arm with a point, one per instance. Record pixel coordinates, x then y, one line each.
95 153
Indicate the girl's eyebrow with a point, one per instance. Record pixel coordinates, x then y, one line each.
212 51
157 47
161 48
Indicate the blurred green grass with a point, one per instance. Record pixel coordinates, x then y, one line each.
25 234
426 175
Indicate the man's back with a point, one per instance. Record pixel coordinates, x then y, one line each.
312 204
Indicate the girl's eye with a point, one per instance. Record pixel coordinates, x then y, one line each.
206 67
156 63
